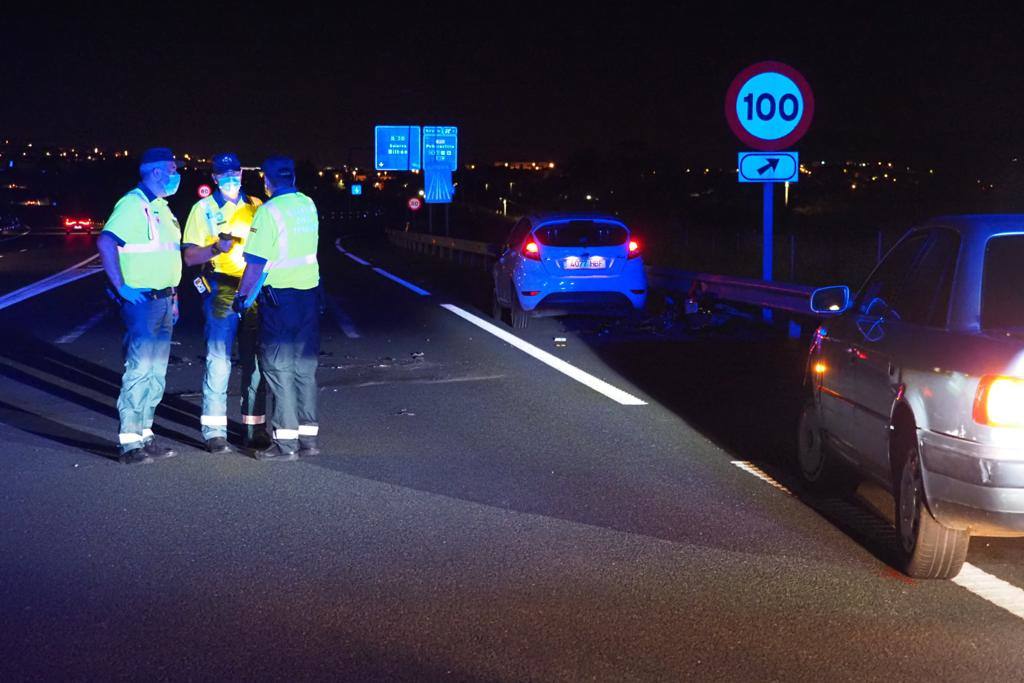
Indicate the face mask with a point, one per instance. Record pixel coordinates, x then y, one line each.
230 187
173 181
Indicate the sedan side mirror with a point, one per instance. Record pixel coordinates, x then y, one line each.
830 300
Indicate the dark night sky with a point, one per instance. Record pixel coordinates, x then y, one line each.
526 81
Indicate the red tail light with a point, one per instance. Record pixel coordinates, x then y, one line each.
68 222
634 248
531 250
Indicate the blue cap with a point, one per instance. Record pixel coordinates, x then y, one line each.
226 161
155 155
278 167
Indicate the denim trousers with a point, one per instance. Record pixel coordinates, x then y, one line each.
222 327
147 348
289 356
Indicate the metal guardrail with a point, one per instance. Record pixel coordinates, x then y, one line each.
791 298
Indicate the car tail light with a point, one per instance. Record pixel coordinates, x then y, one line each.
1000 401
68 222
531 250
634 248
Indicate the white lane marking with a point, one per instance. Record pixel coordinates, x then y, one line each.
1000 593
344 321
362 262
974 579
407 285
751 468
22 251
598 385
75 272
14 237
74 334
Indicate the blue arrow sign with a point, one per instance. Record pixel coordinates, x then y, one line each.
437 185
768 167
397 148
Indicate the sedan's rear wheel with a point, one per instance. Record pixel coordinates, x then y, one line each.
931 550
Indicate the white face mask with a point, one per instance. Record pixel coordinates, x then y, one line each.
230 186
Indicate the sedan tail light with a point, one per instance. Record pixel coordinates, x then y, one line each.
1000 401
531 250
634 248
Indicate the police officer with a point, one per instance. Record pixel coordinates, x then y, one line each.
215 233
281 265
139 248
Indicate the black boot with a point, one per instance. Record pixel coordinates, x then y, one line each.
258 440
136 456
218 445
276 454
158 452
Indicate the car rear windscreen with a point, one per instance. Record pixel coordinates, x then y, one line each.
581 234
1002 285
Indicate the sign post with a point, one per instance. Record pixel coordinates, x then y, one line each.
769 107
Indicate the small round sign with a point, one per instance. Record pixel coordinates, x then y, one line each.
414 203
769 106
204 191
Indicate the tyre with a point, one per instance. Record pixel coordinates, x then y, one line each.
497 310
819 468
930 549
520 318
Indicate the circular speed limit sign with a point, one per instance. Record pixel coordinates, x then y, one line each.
769 106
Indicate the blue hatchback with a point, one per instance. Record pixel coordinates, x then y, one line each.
569 263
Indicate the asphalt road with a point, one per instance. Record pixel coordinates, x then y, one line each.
476 515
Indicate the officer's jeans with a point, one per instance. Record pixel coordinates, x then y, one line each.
147 348
289 355
222 326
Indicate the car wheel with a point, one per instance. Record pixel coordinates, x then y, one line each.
497 310
930 549
819 468
520 318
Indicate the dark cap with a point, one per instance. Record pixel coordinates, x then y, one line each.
278 167
226 161
155 155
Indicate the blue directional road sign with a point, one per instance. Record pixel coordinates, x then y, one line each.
357 189
769 167
441 147
438 188
397 148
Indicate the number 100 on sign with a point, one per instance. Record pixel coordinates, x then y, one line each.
769 106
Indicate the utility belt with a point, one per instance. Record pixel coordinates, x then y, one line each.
151 294
155 294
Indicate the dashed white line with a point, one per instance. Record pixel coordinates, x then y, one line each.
1000 593
991 588
74 334
585 378
407 285
753 469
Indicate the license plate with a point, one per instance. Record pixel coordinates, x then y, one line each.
576 263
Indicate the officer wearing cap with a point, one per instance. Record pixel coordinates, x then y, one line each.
215 234
281 266
139 248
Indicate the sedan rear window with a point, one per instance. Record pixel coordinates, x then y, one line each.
1002 285
581 234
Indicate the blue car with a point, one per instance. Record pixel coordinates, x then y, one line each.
565 264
